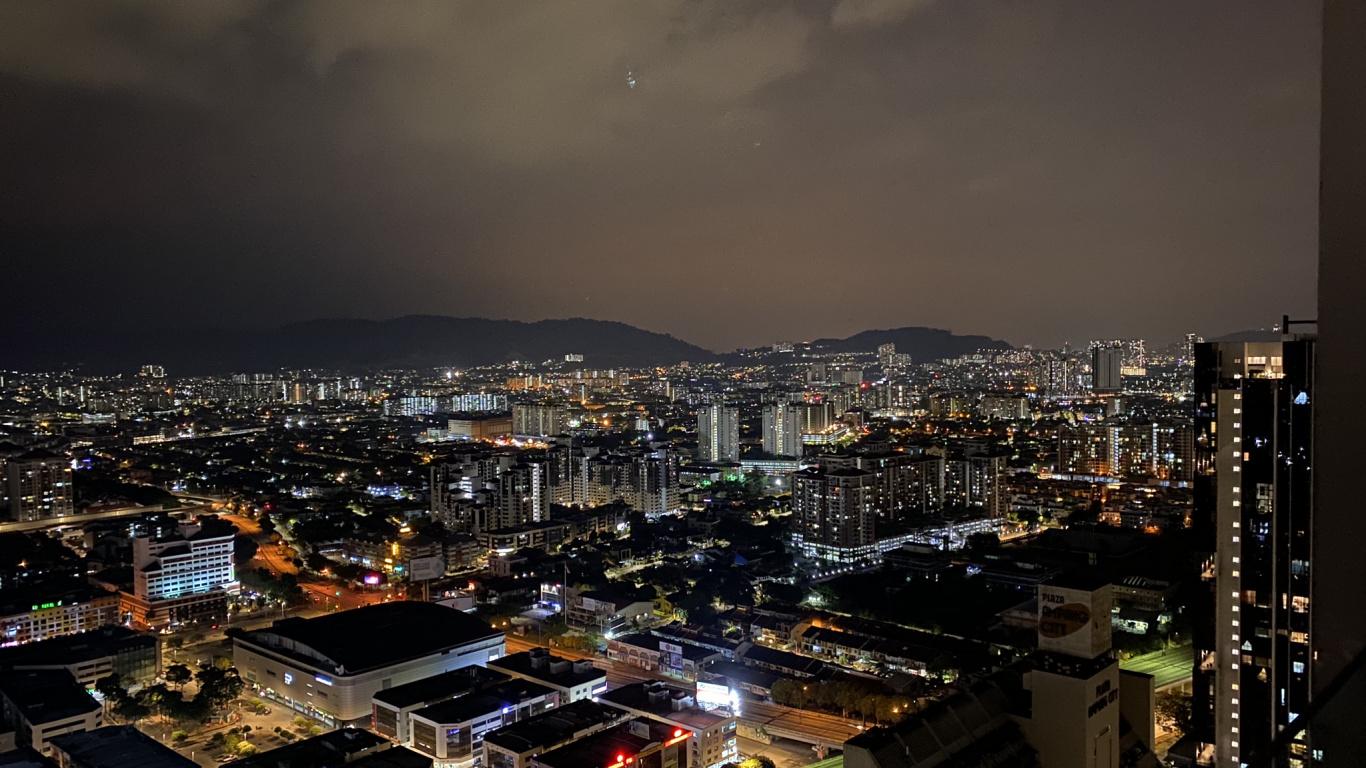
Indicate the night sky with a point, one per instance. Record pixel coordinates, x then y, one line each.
733 173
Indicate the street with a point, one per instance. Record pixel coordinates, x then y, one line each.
1168 667
832 730
276 558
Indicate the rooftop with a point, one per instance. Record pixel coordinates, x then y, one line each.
71 649
25 757
730 671
120 746
447 685
627 739
473 705
350 747
26 599
555 727
462 709
662 701
539 664
345 641
46 695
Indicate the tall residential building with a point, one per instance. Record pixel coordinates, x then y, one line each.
1057 377
886 353
1188 343
38 485
1254 526
654 482
524 495
537 420
815 417
976 481
1107 367
906 485
181 578
1102 449
718 433
835 513
1135 357
783 429
1005 407
569 475
472 402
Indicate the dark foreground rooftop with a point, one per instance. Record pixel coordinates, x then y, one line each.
350 640
555 727
121 746
349 747
46 695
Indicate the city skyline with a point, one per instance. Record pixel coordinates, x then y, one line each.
695 383
249 164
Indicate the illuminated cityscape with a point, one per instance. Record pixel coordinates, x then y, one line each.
310 455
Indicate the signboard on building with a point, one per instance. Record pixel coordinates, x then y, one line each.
426 568
712 695
1074 621
671 657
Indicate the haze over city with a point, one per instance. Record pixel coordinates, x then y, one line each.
1041 172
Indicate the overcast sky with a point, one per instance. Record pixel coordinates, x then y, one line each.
733 173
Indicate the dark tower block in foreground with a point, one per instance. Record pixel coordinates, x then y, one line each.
1254 518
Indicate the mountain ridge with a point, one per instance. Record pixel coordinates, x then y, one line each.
413 341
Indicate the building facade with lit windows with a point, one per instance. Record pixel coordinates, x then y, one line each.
718 433
524 495
537 421
782 424
181 578
38 485
1253 520
836 513
80 609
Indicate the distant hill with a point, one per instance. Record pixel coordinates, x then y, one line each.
920 343
415 341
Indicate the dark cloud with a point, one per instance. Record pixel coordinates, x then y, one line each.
1036 171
